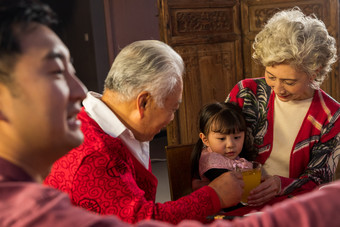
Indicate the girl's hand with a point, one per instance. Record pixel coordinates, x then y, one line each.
265 192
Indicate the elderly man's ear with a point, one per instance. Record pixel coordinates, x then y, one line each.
143 102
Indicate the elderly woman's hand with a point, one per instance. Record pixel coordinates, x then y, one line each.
266 191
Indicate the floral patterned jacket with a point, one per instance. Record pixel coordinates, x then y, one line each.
316 150
102 176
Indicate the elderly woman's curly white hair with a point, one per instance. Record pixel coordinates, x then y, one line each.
290 37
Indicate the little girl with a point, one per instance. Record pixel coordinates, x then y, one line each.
222 144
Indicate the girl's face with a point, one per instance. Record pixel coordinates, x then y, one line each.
229 145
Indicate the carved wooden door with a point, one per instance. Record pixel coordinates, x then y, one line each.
207 35
214 38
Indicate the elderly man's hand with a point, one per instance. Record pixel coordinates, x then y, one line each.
266 191
229 187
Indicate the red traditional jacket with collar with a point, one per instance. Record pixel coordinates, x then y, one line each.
316 149
24 203
103 176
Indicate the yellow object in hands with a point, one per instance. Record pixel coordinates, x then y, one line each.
251 178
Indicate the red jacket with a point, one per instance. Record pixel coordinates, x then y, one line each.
316 150
103 176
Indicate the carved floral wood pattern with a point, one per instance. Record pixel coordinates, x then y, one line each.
263 14
201 21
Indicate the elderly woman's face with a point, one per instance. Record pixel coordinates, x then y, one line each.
287 83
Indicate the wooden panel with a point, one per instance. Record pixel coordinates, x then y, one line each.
210 74
208 37
215 40
205 25
179 169
255 13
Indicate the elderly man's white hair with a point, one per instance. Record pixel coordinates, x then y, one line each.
147 65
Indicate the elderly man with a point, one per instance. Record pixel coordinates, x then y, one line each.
110 172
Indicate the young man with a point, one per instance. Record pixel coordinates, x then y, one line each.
39 98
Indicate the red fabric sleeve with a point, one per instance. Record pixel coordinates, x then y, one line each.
103 176
285 182
115 191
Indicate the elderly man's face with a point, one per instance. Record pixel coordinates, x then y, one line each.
159 117
43 102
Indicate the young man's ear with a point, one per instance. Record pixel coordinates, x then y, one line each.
143 100
3 91
204 139
2 116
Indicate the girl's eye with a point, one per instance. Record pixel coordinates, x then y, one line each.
221 139
237 137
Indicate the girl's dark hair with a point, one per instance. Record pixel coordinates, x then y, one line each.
225 118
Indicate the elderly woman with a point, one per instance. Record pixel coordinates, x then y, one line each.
292 123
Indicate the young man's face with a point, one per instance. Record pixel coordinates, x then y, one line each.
41 105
